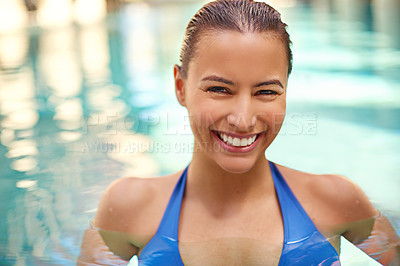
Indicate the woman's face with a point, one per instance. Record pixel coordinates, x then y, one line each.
235 93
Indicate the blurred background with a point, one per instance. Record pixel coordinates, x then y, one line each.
86 96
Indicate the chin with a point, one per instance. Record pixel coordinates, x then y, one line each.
238 165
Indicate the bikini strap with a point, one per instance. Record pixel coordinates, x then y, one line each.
169 224
295 229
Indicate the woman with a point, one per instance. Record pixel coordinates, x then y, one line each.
231 206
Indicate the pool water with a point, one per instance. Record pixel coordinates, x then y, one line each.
83 105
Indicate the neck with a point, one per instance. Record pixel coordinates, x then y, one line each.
210 183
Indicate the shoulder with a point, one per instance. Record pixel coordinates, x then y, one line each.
130 210
334 197
129 202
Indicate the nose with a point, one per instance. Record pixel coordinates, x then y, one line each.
242 116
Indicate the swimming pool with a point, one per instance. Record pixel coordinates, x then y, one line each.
83 105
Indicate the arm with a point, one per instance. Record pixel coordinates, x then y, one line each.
111 241
383 244
95 252
370 231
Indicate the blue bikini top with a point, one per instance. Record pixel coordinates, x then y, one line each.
303 244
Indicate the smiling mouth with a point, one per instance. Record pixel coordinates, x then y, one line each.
237 141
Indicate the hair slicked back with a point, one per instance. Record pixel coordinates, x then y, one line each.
233 15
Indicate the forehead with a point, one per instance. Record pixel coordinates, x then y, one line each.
238 54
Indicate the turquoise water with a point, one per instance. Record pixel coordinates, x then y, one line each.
83 105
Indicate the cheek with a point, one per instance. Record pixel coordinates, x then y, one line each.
277 123
201 119
273 116
279 117
204 113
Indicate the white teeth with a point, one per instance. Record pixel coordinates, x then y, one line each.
237 142
243 142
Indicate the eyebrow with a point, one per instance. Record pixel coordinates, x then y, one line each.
270 82
229 82
218 79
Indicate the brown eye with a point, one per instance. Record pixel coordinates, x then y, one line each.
218 90
266 92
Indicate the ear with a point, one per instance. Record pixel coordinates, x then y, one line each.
179 85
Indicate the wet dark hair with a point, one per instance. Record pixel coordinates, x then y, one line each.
233 15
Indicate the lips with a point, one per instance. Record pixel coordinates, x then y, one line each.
237 143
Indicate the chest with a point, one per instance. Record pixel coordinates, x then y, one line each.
230 251
251 235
